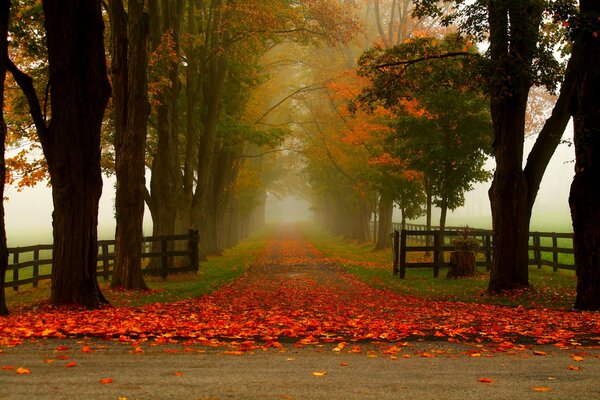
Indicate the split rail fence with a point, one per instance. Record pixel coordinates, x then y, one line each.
167 254
431 248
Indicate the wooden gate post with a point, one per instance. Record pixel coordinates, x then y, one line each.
436 253
396 250
193 248
402 260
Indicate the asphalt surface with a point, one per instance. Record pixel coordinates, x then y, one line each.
312 372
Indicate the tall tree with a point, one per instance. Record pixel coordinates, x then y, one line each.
79 92
517 59
4 15
584 198
129 33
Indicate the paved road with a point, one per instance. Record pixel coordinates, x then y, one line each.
162 373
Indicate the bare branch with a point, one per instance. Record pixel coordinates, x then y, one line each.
425 58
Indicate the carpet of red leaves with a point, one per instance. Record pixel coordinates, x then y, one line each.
294 293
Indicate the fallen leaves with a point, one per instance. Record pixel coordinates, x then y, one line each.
105 381
273 301
23 371
486 380
319 373
541 389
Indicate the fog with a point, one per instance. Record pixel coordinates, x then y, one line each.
29 221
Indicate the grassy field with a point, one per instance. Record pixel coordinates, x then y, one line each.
549 289
215 272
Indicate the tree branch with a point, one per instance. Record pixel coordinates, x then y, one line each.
425 58
26 84
298 91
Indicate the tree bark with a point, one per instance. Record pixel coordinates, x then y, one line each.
386 208
79 94
514 34
130 96
4 16
584 198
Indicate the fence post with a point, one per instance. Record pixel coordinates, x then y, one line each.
164 249
395 250
554 252
193 248
537 253
36 267
105 267
436 254
402 260
16 270
488 251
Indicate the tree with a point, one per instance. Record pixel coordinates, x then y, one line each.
584 198
129 33
517 59
442 122
4 15
79 92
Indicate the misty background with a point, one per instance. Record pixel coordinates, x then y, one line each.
29 219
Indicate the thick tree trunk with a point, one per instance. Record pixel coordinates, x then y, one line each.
584 198
130 140
4 14
514 32
79 93
386 208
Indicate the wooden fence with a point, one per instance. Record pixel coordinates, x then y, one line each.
173 250
435 247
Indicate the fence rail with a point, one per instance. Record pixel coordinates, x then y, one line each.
436 245
172 251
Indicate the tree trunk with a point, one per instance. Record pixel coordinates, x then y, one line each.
4 15
584 198
386 209
514 32
166 186
130 63
462 264
79 94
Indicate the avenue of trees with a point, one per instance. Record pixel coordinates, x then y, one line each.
198 108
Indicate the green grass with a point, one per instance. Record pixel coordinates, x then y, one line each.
554 290
214 273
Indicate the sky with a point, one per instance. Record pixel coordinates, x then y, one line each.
29 221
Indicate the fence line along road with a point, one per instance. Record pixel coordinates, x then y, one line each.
167 254
435 245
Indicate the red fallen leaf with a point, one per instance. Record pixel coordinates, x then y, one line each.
577 358
62 357
62 348
541 389
86 349
486 380
539 353
7 367
106 380
170 351
48 361
177 373
71 364
574 368
427 355
343 364
138 350
23 371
